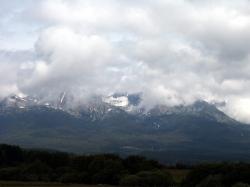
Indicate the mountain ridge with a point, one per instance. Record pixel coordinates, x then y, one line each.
102 127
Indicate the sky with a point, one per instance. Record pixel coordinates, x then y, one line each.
173 52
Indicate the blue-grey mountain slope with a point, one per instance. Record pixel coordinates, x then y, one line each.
191 133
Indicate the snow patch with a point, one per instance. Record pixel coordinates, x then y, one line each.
117 101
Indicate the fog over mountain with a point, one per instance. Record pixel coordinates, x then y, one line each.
171 52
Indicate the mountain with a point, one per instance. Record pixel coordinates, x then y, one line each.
116 123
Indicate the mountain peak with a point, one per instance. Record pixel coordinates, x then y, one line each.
100 106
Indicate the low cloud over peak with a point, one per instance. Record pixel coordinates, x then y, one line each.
174 52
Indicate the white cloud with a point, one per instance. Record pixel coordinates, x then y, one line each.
172 51
7 79
239 108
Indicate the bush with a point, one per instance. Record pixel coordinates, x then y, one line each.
241 185
148 179
37 171
130 180
211 181
109 173
74 178
230 173
38 168
11 173
10 155
135 164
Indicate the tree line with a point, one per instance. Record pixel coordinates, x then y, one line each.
51 166
219 175
18 164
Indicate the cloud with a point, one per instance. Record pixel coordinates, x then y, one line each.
239 108
10 65
174 52
68 59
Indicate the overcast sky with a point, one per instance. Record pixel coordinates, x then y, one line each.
172 51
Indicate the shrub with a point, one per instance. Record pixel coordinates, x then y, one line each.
11 173
241 185
211 181
148 179
130 180
74 178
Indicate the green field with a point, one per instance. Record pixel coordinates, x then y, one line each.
40 184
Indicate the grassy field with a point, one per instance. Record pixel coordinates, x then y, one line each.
39 184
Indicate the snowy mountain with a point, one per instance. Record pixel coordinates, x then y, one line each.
97 106
118 124
100 107
198 108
